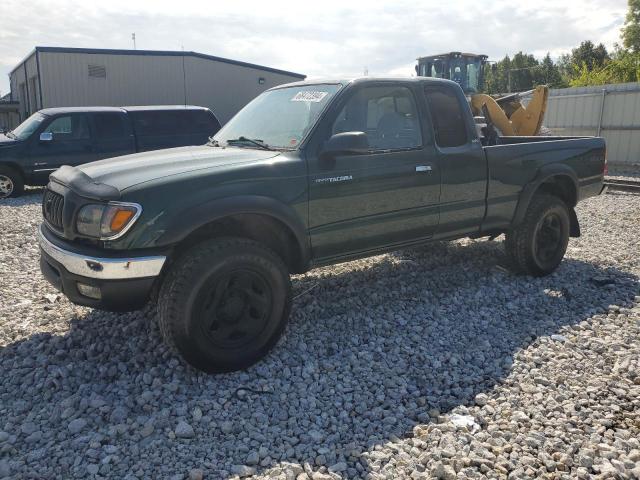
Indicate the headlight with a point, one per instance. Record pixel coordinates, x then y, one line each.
107 221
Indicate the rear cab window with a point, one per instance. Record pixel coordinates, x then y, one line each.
447 116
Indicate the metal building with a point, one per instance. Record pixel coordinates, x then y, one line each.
610 111
73 77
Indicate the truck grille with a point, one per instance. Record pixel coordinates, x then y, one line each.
52 204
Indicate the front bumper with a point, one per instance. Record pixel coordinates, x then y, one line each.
124 283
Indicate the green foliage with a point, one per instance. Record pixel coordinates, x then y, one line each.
594 57
624 67
523 72
631 30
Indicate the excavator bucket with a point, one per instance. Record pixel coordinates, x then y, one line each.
528 120
523 121
497 115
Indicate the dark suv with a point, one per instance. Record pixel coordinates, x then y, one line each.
72 136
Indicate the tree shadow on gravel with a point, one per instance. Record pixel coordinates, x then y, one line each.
372 346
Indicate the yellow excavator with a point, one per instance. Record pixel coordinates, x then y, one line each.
507 113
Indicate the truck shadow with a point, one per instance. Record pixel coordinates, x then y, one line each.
31 196
372 347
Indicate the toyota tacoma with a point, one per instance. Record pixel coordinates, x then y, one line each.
307 174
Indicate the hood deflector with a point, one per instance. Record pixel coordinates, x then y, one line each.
83 184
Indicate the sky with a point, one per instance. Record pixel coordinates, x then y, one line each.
328 38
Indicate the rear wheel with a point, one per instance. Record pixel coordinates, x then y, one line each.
536 247
224 304
11 183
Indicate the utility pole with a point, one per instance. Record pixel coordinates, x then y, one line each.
133 37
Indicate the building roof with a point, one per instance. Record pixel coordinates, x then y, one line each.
157 53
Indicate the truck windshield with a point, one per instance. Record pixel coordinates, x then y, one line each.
30 125
278 118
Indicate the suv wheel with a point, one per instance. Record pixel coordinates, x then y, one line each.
224 304
536 247
11 184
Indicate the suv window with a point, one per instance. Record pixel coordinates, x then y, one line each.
174 122
388 115
110 125
447 117
154 123
69 127
201 121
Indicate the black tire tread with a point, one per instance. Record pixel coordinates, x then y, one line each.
516 239
177 279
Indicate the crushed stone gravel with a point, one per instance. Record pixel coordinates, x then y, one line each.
434 362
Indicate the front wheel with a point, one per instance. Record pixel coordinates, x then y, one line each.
224 304
11 183
536 246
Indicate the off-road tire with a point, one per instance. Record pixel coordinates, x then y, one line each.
192 285
16 179
520 244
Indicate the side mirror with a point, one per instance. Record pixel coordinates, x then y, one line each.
46 136
347 143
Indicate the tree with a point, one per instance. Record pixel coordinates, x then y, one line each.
523 72
631 30
594 57
549 74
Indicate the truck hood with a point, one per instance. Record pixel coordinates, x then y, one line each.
129 170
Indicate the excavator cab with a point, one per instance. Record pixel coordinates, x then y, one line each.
466 69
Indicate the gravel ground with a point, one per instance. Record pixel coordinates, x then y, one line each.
624 172
428 363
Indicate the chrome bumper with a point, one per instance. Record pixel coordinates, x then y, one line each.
102 268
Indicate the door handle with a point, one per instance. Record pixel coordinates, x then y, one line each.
423 168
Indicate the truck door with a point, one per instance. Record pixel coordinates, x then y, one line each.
113 135
384 197
70 143
462 162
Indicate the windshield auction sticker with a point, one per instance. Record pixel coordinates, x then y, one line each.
309 96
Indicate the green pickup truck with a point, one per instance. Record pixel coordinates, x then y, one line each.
307 174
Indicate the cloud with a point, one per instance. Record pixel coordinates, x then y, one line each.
331 38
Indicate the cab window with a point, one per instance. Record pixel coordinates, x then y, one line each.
447 117
388 115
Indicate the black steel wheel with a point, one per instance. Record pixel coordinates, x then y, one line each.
224 304
234 307
537 246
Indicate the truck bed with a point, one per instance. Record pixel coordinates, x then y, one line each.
521 161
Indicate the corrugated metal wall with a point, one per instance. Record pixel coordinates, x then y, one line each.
25 87
152 80
226 88
610 111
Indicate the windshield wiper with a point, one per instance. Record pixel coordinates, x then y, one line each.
11 135
213 142
257 142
